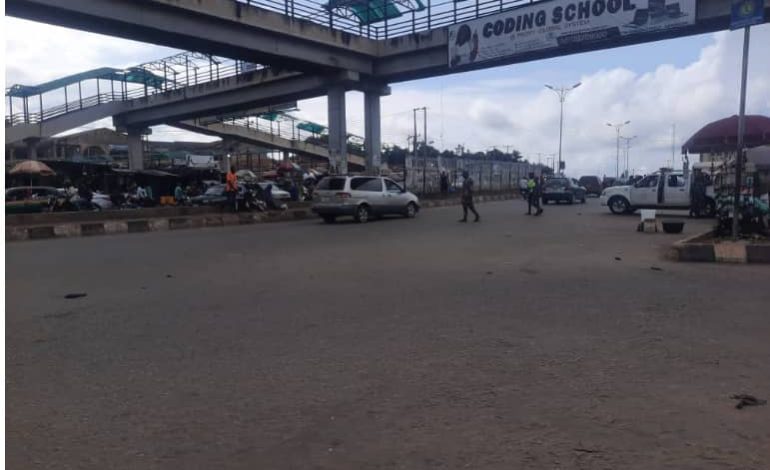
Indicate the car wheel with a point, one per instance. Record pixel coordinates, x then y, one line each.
545 201
329 219
411 210
618 205
571 200
583 201
362 214
711 208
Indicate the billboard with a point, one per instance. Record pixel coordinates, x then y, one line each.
557 23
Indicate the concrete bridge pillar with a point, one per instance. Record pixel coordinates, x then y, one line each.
135 149
372 132
338 137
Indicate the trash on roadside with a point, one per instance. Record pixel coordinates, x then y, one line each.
747 400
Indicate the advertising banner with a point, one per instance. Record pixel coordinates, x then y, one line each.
557 23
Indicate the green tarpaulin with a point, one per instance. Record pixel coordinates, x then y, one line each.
367 12
311 127
132 75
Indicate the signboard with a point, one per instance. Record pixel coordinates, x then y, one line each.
747 13
557 23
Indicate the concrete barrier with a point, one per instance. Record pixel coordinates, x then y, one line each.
181 218
703 248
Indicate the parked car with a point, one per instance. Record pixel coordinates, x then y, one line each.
362 197
28 199
665 189
592 184
278 193
215 196
563 189
101 201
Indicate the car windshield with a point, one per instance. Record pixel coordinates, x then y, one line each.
557 182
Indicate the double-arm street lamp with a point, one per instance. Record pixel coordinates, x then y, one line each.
617 155
562 92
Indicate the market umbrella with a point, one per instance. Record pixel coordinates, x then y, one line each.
32 168
290 166
246 175
722 135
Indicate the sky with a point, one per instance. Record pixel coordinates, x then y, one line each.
684 82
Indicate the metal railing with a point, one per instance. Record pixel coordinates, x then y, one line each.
436 14
286 128
172 73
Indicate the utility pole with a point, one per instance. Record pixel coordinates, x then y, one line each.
424 147
741 132
617 153
673 144
562 93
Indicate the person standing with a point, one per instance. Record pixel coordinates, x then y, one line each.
467 198
444 183
179 194
534 189
231 189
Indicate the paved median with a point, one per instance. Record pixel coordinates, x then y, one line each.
42 226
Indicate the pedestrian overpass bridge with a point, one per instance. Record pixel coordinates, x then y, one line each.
171 90
314 47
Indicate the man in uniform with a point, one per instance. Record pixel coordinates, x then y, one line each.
467 198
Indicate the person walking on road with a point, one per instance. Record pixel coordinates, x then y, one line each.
467 198
231 189
534 188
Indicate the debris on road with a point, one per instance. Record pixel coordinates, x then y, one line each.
588 451
169 276
655 268
75 295
617 258
747 400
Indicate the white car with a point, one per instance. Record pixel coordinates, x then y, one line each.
665 189
362 197
102 201
278 193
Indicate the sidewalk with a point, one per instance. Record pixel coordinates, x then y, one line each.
83 224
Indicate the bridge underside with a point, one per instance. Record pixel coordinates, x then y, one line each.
264 139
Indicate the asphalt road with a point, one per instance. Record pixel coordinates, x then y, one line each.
515 343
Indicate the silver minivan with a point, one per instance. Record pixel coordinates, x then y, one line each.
362 197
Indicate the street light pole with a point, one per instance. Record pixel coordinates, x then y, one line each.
562 93
741 132
627 141
617 154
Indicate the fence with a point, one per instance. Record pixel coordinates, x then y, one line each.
423 176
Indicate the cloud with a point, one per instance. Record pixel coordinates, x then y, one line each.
509 112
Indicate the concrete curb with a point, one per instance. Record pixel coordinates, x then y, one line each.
139 225
696 249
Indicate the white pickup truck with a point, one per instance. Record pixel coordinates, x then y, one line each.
665 189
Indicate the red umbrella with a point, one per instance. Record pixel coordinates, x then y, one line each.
722 135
